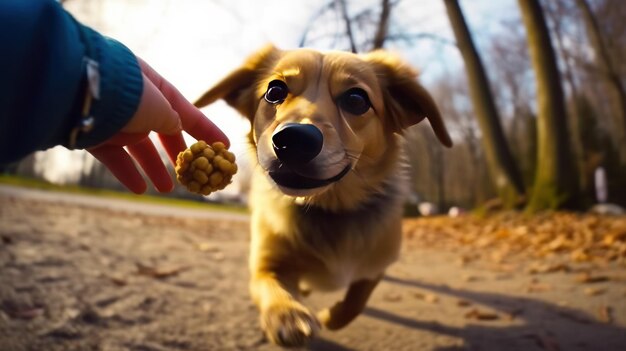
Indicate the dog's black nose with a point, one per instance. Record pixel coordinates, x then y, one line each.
296 143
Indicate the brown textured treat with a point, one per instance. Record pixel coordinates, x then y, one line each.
204 168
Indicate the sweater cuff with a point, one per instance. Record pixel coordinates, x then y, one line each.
120 89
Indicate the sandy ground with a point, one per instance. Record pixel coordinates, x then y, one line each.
82 273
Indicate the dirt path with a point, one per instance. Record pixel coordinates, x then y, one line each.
83 200
92 275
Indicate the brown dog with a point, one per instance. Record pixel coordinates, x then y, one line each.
327 192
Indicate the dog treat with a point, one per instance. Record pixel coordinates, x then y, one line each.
205 168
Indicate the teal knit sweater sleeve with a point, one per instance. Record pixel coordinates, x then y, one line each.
43 80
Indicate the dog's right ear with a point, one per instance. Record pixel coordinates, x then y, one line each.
239 87
407 102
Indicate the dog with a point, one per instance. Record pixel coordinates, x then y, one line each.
328 184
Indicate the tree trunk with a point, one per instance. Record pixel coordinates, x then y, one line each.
574 113
383 25
609 74
556 181
508 180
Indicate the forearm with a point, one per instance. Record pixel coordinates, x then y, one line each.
43 79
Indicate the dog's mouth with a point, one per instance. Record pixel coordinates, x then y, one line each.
287 178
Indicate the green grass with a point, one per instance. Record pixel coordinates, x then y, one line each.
74 189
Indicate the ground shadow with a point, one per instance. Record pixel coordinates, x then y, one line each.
544 326
320 344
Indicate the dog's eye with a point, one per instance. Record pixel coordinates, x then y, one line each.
355 101
276 92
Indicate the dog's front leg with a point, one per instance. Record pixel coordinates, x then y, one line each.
286 321
343 312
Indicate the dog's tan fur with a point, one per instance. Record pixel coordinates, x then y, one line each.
344 234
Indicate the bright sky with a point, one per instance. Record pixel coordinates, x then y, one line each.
194 43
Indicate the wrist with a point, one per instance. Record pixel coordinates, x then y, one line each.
112 90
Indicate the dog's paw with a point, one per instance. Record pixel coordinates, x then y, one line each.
336 317
289 325
324 316
329 321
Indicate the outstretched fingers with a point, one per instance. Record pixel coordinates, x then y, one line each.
193 120
121 165
164 110
173 144
146 154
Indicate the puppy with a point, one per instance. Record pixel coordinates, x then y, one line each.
328 185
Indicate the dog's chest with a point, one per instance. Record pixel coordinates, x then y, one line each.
351 246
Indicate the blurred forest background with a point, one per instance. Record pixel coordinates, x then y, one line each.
534 96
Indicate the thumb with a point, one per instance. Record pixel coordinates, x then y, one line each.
154 113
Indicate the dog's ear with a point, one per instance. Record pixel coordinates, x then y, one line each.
406 101
239 87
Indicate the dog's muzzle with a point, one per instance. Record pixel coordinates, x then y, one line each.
295 145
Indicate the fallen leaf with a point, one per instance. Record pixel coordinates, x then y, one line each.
463 303
470 278
504 236
23 312
580 255
207 247
588 278
605 314
464 260
538 288
512 314
207 308
544 268
592 291
392 297
430 298
29 313
158 273
117 280
477 314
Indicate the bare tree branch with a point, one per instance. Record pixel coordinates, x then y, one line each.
410 37
312 20
383 25
344 12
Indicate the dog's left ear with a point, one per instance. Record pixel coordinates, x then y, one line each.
238 88
406 101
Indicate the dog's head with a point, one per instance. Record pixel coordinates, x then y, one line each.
316 117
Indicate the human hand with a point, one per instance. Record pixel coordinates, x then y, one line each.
164 110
